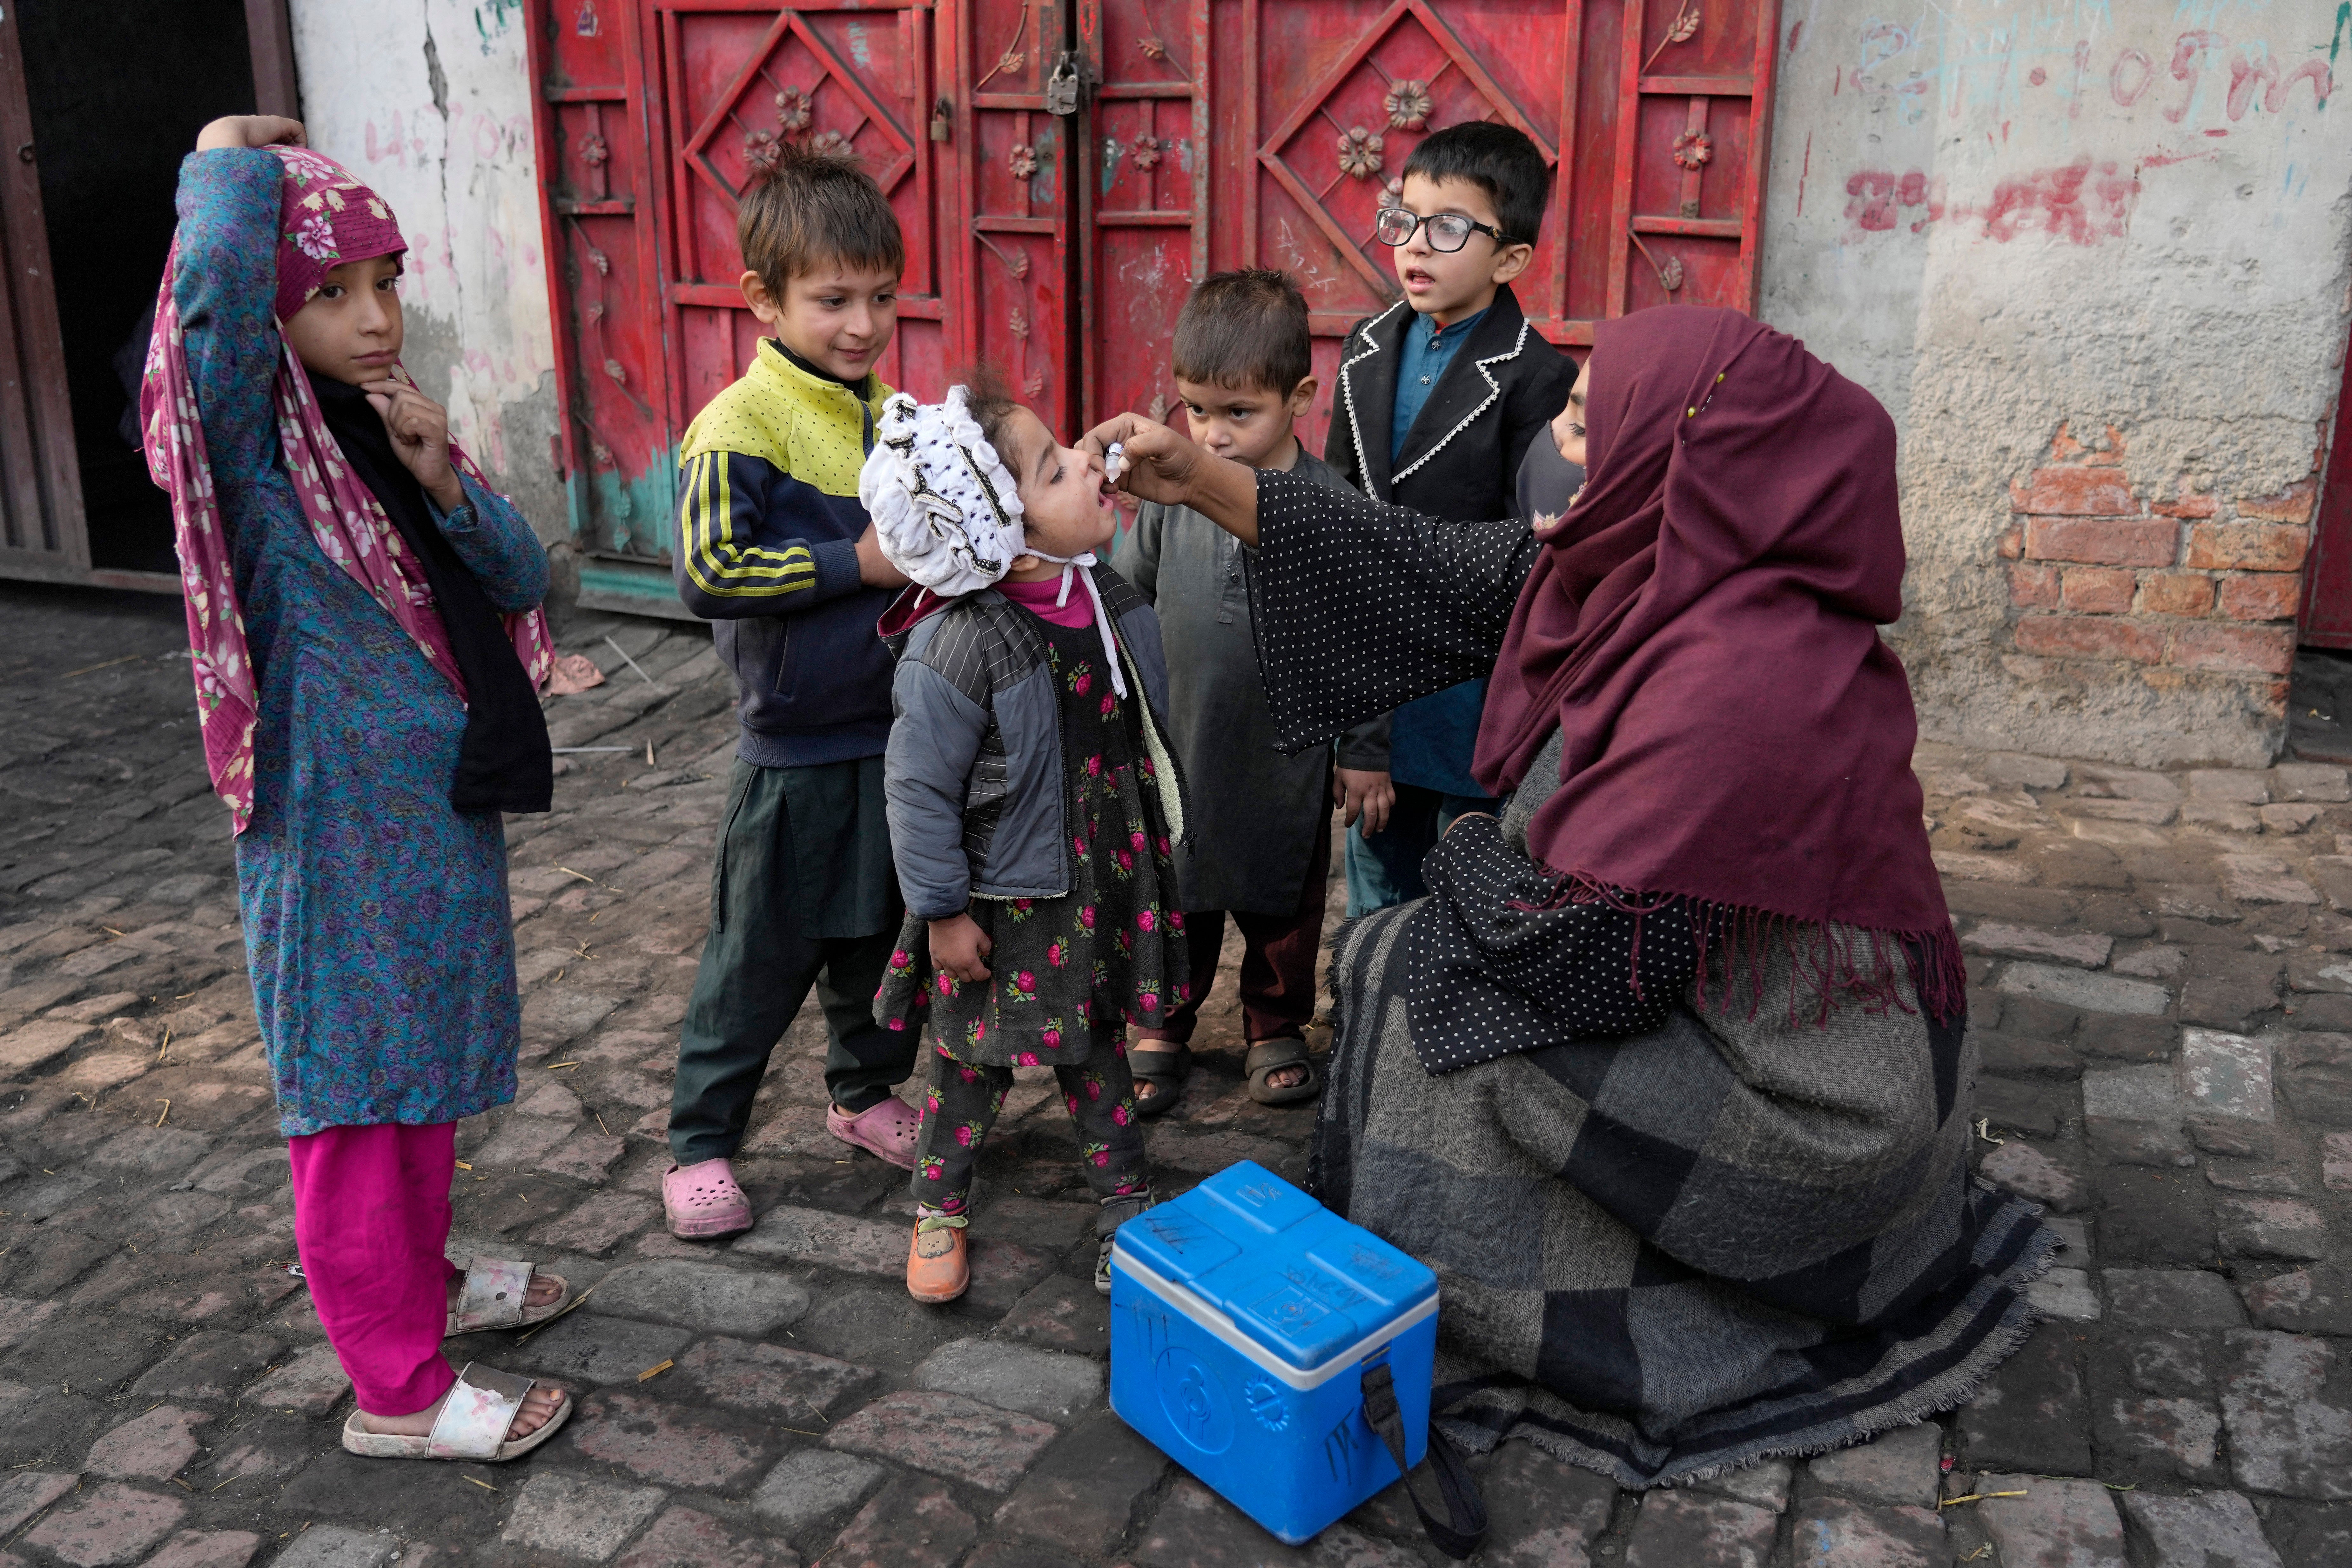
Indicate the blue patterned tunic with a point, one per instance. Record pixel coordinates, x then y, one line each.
375 916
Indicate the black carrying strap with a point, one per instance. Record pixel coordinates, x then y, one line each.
1465 1524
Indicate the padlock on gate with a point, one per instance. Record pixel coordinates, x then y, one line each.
1062 87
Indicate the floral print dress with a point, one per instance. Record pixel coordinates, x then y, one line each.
1067 974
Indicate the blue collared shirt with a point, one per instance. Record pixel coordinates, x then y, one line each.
1428 350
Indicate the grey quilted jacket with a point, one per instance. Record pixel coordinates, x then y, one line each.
974 780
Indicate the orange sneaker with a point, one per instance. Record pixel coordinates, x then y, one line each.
941 1275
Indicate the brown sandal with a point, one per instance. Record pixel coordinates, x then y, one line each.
1267 1057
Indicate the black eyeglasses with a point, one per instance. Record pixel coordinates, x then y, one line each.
1447 231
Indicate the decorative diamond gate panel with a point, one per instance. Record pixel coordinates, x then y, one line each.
738 84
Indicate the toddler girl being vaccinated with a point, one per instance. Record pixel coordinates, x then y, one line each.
1033 804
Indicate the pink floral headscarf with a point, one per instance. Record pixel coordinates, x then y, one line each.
325 217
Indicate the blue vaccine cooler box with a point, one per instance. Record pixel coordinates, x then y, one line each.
1243 1316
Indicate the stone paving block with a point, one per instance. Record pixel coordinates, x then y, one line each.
2334 875
601 1223
1194 1528
30 1046
2085 991
1540 1511
2175 1439
2314 1300
2288 1410
2195 1531
2156 1219
2018 768
2149 1093
1766 1484
584 1156
151 1151
2234 786
2263 879
1692 1530
2310 1535
2068 1294
912 1523
595 1349
209 1365
672 1442
2224 1075
311 1383
1897 1467
156 1444
1065 1314
2231 990
19 1318
1016 1554
811 1485
2032 1172
831 1240
1003 1272
945 1433
2032 1412
1059 1387
106 1525
2024 1105
578 1517
409 1498
1084 1492
207 1549
339 1546
1831 1533
523 1141
2315 1069
2170 1299
2098 780
792 1385
2056 1524
2335 1161
687 1538
2152 962
708 1296
267 1447
2087 949
2285 1228
2329 971
24 1493
2310 781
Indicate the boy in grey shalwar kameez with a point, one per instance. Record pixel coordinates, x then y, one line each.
1259 822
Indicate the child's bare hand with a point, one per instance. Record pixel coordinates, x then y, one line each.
420 437
958 947
873 568
251 131
1363 792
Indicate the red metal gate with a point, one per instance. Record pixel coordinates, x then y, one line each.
1197 134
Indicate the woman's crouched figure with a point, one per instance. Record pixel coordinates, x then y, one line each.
1668 1078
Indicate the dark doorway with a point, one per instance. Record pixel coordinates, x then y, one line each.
119 90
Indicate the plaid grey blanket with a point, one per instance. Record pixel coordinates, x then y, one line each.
1672 1254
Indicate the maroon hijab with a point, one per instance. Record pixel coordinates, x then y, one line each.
1701 629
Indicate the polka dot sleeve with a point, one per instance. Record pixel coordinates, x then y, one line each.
1361 606
1496 964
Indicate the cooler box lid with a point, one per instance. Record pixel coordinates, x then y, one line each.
1300 1283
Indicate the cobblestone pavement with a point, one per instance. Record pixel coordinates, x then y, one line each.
2161 985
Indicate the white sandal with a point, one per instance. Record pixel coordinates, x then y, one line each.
497 1295
473 1422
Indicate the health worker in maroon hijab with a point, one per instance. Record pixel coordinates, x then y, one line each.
1668 1078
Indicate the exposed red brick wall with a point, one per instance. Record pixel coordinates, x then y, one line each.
2196 581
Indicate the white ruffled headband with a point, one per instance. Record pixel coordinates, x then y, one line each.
947 512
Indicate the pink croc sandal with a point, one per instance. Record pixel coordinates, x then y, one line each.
889 1128
702 1201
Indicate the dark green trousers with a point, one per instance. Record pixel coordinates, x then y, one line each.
801 896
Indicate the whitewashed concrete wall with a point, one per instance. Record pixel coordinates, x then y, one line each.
429 101
2095 258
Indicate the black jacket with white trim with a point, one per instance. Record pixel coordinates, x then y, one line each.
1461 458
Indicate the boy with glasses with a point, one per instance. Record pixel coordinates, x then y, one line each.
1439 396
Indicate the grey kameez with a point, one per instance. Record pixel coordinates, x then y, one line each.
1252 814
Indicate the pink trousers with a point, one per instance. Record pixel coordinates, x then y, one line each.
371 1217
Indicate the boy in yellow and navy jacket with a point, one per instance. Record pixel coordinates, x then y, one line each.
774 548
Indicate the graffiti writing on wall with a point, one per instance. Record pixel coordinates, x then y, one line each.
2208 75
2082 203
